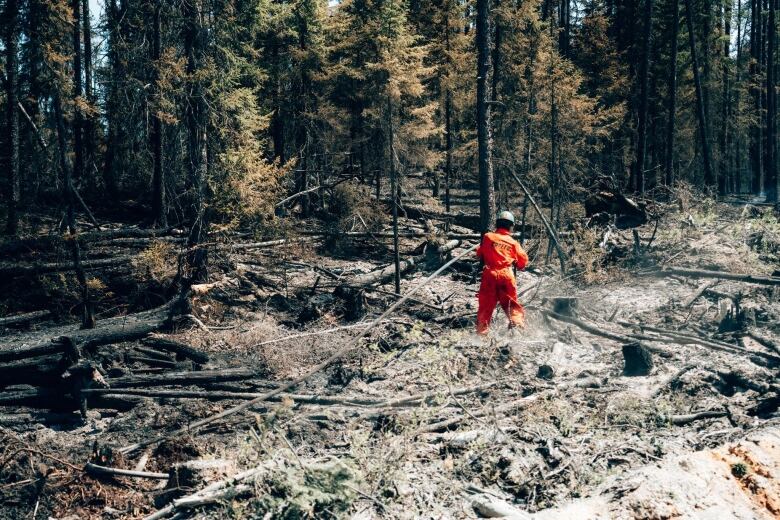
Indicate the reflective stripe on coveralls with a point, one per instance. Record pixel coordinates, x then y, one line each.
500 251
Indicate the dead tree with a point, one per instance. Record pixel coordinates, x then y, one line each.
770 143
641 145
155 135
709 180
724 172
756 55
88 317
672 108
487 200
197 151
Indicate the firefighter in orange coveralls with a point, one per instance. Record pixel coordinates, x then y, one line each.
499 252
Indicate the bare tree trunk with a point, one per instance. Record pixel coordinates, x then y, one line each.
700 104
756 156
448 136
641 145
725 134
197 150
448 121
487 201
88 317
770 160
90 130
12 114
736 176
112 105
672 109
394 196
155 136
78 122
494 79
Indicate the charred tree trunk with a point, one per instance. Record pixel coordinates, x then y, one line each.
90 130
197 151
672 108
756 137
494 80
725 134
487 201
88 317
448 137
394 196
155 136
770 154
700 102
644 76
112 117
12 114
448 122
736 177
78 120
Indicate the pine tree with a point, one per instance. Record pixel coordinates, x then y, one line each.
375 77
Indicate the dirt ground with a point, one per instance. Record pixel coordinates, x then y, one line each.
491 428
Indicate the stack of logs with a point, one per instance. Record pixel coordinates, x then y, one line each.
111 367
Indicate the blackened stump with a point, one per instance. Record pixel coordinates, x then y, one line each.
638 360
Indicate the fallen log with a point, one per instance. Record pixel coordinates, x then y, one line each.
138 242
42 371
13 270
349 347
33 397
208 493
156 354
596 331
181 350
103 471
150 361
504 408
672 380
413 300
492 507
682 420
201 377
379 276
23 318
421 212
39 243
110 331
688 339
699 291
696 273
26 419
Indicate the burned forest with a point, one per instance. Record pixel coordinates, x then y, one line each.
445 259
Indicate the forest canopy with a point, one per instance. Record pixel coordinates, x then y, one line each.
153 104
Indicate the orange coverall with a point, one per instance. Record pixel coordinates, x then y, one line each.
499 251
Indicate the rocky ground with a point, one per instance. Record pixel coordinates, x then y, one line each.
423 419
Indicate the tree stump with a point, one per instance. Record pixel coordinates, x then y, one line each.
638 360
546 372
354 302
565 306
